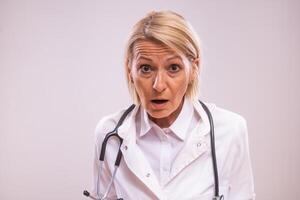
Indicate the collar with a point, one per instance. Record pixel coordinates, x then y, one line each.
204 126
179 127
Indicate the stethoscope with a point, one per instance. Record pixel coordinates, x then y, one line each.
114 133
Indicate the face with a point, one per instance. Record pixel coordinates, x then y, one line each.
161 78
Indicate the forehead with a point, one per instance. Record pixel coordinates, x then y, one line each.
152 48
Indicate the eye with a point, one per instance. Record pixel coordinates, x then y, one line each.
145 69
174 68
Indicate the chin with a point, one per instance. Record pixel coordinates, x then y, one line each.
158 114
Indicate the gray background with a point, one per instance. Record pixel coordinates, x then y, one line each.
61 70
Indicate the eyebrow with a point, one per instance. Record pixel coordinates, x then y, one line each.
170 58
143 57
173 57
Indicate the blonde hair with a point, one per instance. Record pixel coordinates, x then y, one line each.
172 30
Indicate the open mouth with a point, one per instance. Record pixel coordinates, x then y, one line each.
159 101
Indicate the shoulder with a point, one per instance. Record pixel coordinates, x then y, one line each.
229 124
223 116
107 124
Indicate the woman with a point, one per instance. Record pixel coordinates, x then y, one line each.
166 137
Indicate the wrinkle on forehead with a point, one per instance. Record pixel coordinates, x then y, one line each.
150 48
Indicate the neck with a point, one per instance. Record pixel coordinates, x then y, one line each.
167 121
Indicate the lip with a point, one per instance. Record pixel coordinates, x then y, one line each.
160 105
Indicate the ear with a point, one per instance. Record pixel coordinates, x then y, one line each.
195 68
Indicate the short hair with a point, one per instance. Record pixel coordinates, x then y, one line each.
172 30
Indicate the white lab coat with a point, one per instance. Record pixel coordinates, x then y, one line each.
192 172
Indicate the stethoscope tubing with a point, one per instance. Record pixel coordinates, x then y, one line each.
213 148
114 133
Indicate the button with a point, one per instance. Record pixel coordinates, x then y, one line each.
167 130
125 147
199 144
148 175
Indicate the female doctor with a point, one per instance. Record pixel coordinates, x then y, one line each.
166 141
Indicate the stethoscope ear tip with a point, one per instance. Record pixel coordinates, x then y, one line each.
86 193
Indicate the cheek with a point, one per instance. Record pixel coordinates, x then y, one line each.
142 88
182 85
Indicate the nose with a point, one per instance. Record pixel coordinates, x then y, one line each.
159 83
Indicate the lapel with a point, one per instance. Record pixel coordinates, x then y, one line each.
196 144
133 156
